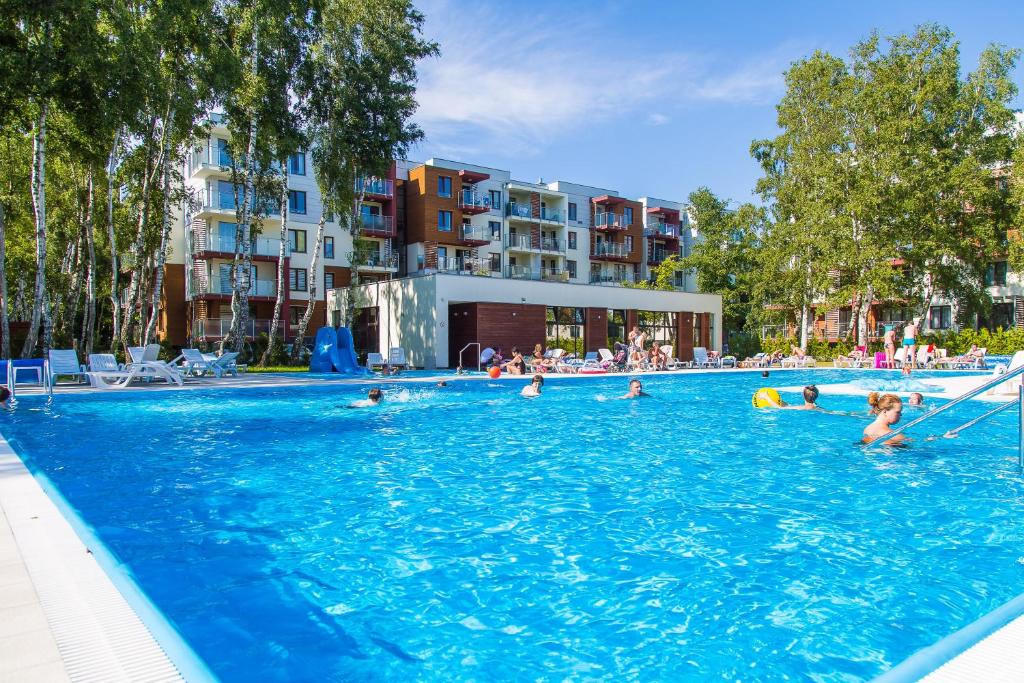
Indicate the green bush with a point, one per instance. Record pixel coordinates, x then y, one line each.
1000 342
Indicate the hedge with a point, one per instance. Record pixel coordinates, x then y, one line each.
1001 342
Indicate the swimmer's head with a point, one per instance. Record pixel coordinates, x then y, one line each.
538 380
764 373
810 393
635 384
916 399
375 395
442 383
883 403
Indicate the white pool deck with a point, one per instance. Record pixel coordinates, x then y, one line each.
62 618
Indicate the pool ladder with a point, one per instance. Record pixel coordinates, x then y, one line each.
478 352
12 380
1017 403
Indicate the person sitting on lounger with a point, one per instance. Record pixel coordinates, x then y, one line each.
373 398
656 358
776 357
636 390
533 388
797 352
887 409
515 365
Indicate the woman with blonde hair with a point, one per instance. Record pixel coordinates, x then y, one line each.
887 409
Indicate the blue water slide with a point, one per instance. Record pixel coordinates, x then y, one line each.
347 361
325 351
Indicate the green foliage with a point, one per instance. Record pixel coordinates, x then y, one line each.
1000 342
568 345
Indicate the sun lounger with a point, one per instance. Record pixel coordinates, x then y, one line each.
106 373
396 358
701 358
728 362
671 362
758 360
607 361
64 362
374 360
198 363
147 360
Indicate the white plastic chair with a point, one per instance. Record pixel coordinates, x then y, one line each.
374 360
396 358
65 362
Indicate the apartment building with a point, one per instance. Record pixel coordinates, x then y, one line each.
437 218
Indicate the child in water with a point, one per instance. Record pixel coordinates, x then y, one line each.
887 409
373 398
533 388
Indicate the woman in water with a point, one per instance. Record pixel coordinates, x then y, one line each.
887 409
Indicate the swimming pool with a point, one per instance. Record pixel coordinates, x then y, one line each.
467 533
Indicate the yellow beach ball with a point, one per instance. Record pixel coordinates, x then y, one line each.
763 398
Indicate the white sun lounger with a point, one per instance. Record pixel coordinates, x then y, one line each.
396 358
106 373
147 361
198 363
64 362
701 359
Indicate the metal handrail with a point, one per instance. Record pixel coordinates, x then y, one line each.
981 418
956 401
478 352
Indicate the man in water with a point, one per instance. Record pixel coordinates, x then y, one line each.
764 373
373 398
636 390
916 399
810 394
533 388
5 396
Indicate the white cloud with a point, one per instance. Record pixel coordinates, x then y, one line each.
508 80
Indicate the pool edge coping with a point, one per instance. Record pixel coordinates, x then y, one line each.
99 580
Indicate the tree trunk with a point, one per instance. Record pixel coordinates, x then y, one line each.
862 315
275 322
5 323
165 233
313 265
39 212
115 298
241 267
138 246
89 319
804 314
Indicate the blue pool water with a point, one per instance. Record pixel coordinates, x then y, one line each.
467 533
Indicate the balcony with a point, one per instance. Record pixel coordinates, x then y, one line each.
473 203
517 242
464 266
208 160
608 221
662 230
375 188
203 243
517 211
204 329
611 278
657 256
375 262
474 236
220 202
546 274
375 225
221 286
609 251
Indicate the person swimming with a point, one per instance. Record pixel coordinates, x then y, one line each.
373 398
916 399
533 388
636 390
887 409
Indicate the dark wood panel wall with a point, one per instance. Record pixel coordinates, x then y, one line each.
684 336
595 331
494 325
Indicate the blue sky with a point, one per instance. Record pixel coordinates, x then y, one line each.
652 98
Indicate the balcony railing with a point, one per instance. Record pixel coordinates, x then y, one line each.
474 201
551 215
611 278
610 221
473 233
464 266
375 186
374 259
658 255
552 244
374 224
261 246
527 243
661 229
514 210
610 249
209 157
519 242
222 285
769 331
217 200
216 328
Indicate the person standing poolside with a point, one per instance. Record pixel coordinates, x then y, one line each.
910 343
889 342
533 388
636 390
887 409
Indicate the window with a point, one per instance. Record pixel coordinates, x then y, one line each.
571 267
565 328
297 201
328 247
444 186
495 229
628 214
995 274
495 199
328 280
297 163
572 211
495 265
294 315
629 244
223 155
616 327
297 241
572 236
940 317
297 279
444 221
